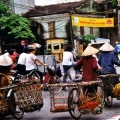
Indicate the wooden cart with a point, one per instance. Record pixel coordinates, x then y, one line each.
75 100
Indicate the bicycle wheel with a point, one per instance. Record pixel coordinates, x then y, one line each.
108 88
16 112
73 103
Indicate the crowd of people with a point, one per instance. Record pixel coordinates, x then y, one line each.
90 64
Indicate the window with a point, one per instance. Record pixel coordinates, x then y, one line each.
49 46
51 28
56 46
61 45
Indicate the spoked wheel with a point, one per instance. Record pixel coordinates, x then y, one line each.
73 103
108 88
14 108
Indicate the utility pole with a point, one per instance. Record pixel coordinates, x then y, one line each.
118 20
71 31
106 16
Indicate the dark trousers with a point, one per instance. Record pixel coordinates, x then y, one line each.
21 68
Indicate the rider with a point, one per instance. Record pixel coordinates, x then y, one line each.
5 66
89 64
22 61
32 60
13 57
117 49
67 61
107 60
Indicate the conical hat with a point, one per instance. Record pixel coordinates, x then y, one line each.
5 60
89 51
106 47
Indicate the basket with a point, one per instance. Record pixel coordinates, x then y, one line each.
29 96
59 101
4 107
91 102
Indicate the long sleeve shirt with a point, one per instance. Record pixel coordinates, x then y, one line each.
89 68
107 60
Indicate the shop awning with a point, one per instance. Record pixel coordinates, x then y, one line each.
100 41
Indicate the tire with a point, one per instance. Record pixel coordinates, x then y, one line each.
108 88
73 103
12 101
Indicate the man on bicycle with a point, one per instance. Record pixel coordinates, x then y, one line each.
32 60
117 49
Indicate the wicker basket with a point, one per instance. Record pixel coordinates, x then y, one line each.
59 101
4 107
29 95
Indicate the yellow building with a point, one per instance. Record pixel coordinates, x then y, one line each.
56 46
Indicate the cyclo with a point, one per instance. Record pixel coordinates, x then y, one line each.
76 99
111 88
73 99
15 99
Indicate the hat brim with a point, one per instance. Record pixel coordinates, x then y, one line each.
106 47
89 51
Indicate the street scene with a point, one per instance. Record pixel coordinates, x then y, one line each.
59 59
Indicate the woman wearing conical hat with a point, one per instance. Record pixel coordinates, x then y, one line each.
5 66
107 59
89 64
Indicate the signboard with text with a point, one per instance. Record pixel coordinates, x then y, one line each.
92 22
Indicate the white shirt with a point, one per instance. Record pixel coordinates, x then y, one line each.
67 58
30 61
22 59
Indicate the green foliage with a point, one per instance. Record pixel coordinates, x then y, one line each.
88 37
114 3
17 26
4 10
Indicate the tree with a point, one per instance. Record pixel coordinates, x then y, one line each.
88 37
17 26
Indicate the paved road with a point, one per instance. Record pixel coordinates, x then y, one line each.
45 113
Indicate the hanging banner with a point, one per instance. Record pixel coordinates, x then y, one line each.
92 22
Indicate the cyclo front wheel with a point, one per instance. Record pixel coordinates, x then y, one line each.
73 103
16 112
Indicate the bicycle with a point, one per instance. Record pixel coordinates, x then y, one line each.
52 78
16 77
